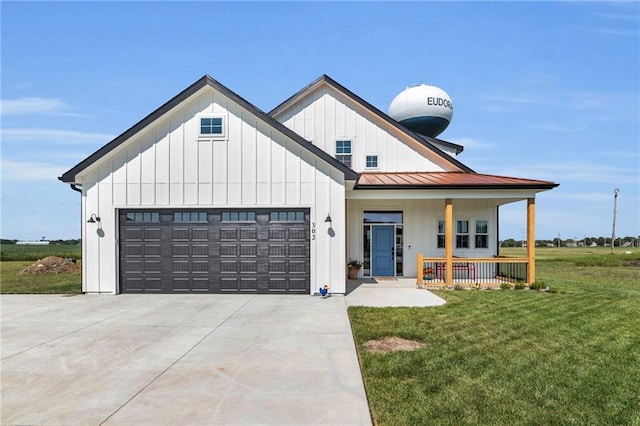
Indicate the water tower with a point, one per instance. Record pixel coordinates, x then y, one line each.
424 109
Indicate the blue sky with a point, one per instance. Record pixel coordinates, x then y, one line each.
542 90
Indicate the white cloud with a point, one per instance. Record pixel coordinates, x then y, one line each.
52 136
30 171
35 105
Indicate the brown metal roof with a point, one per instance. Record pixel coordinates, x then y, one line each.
446 180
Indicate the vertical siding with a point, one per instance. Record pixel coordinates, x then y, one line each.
324 116
167 165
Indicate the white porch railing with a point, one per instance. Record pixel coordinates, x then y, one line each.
466 271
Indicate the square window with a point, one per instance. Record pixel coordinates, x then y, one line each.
211 126
371 162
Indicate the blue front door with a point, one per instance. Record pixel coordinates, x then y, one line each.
382 253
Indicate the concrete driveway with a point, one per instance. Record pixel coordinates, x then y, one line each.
179 359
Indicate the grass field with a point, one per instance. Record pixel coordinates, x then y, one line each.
514 357
17 257
33 253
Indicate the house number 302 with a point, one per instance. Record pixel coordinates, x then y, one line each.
313 231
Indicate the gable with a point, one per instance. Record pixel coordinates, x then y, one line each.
191 94
325 111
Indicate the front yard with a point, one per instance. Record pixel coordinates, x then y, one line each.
569 356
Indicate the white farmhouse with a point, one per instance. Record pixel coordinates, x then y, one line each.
210 194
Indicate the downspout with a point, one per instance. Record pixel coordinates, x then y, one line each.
75 188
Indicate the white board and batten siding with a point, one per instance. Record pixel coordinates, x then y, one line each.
420 222
169 165
325 116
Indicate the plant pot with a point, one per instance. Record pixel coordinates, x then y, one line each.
352 274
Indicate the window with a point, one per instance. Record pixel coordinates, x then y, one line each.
189 216
211 126
343 152
287 217
382 217
482 233
238 216
441 234
143 217
462 234
371 162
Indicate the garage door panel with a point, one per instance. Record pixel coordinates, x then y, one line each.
298 285
248 284
229 284
196 250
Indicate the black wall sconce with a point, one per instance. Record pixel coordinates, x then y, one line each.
93 219
328 219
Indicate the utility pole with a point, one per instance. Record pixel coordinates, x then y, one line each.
615 205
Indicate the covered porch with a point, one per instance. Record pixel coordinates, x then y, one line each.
450 270
440 228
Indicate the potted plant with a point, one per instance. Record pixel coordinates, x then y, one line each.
354 266
427 273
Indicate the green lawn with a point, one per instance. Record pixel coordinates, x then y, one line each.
571 356
12 282
33 253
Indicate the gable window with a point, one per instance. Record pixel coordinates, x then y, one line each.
482 233
462 234
212 126
343 152
441 234
371 162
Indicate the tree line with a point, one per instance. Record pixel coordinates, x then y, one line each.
627 241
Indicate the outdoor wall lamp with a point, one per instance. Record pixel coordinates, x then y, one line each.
328 219
93 219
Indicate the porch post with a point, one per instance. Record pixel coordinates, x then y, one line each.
448 241
531 240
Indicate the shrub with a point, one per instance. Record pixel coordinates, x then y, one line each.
538 285
519 286
505 286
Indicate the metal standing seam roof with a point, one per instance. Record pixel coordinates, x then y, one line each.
446 180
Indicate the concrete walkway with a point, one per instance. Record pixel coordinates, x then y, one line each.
383 293
179 359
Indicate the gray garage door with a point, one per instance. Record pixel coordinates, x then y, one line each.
214 251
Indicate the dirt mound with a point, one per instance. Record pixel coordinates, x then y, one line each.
389 344
52 265
635 263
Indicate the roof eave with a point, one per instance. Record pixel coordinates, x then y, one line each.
454 187
71 175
